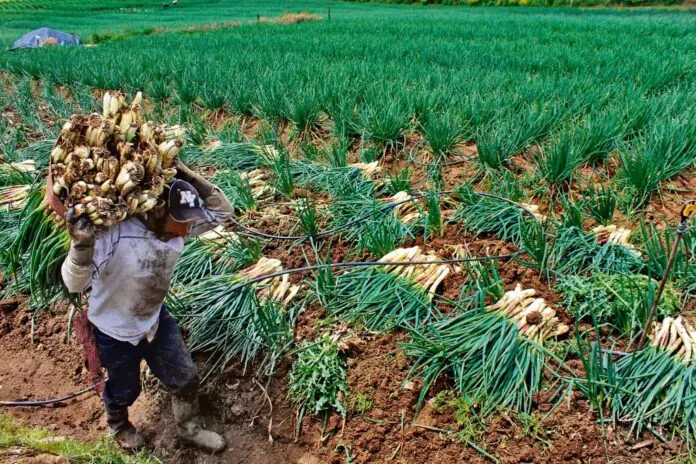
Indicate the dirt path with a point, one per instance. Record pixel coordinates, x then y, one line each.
52 367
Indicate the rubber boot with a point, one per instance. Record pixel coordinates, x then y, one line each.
189 428
127 436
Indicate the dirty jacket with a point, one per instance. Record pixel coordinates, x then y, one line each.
131 271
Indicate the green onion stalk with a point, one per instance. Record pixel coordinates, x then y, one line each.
38 250
657 385
230 320
495 355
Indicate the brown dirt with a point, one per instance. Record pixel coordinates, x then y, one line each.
240 407
52 367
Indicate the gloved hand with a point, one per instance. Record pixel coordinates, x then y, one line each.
82 238
183 172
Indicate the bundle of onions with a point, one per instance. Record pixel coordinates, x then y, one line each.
381 298
494 354
258 182
20 166
534 209
531 316
675 336
113 165
226 317
426 276
409 212
656 385
13 197
369 170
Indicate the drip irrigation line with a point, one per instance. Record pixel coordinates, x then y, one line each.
316 267
254 232
51 400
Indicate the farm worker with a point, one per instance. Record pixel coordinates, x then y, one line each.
129 267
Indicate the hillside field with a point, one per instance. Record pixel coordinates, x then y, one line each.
519 176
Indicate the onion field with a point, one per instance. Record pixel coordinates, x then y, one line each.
460 234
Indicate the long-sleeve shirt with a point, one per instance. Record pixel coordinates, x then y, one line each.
131 271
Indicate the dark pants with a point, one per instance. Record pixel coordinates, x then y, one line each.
167 356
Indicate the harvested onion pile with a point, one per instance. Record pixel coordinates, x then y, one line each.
612 234
675 336
533 318
258 182
14 196
407 213
21 166
534 209
368 170
114 165
426 276
278 288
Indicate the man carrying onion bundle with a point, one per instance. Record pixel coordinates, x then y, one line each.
129 266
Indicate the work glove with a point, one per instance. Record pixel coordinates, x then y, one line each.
183 172
82 238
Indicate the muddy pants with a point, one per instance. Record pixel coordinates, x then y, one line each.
167 357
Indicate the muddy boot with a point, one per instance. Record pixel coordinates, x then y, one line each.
127 437
189 425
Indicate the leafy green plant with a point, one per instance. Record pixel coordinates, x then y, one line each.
360 403
434 223
557 163
399 181
307 213
317 381
620 300
337 155
535 241
660 154
657 246
384 124
442 132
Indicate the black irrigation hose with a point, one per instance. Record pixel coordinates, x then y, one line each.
311 268
52 400
334 230
315 267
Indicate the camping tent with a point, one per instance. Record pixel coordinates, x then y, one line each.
45 37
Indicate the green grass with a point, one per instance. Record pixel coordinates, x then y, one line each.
36 440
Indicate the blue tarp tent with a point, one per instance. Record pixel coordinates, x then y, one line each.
45 37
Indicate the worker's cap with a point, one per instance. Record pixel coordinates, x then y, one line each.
184 202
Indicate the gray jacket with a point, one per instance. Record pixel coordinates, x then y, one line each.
131 271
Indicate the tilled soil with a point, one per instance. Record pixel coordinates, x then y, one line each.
52 366
239 406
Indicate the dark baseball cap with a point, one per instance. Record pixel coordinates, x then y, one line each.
184 202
